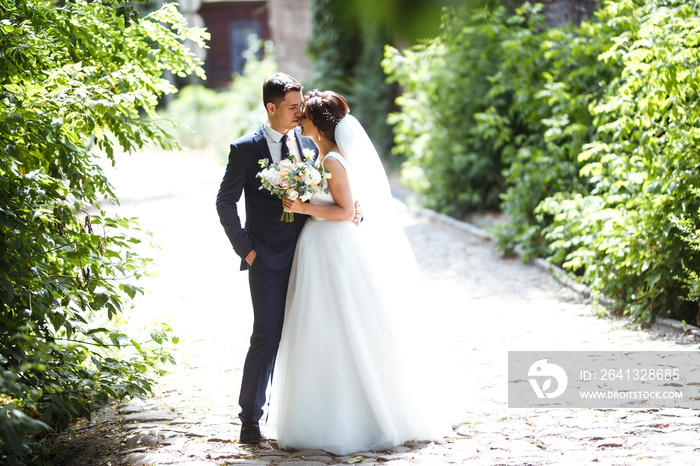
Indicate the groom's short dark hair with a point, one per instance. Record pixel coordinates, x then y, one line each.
276 86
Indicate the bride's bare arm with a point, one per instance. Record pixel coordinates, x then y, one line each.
344 209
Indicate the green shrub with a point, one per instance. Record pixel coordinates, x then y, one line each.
689 226
450 126
74 76
495 113
553 75
623 236
585 137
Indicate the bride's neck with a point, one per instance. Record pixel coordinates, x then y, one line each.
325 146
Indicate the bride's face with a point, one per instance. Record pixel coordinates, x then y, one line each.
308 128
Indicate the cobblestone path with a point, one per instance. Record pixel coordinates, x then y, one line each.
485 304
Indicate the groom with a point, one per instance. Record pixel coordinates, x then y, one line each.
266 244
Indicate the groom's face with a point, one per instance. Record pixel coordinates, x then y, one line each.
287 115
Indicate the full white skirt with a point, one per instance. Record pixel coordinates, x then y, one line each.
343 380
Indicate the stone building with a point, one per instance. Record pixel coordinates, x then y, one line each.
231 22
560 12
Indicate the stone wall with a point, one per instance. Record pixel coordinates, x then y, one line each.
560 12
290 26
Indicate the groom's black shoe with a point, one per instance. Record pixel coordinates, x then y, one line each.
250 433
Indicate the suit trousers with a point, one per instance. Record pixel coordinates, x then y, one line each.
268 291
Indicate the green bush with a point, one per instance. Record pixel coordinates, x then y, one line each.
643 166
450 128
690 228
75 76
585 137
495 113
553 75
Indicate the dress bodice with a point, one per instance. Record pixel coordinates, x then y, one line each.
323 198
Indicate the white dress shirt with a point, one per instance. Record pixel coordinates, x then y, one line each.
274 142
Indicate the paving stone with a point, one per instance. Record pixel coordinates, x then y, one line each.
610 443
675 412
193 463
140 439
488 427
274 452
307 453
465 445
247 462
593 434
223 438
136 408
367 454
561 444
228 455
683 437
148 416
303 462
273 459
644 430
149 459
136 450
174 443
392 457
140 426
182 421
320 458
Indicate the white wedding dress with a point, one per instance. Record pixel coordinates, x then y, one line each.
342 380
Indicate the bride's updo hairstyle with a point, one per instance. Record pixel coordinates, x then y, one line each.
326 109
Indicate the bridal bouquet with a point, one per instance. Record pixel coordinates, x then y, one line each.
293 179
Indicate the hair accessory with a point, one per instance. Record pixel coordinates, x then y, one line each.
330 116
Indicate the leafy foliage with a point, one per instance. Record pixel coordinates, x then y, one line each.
643 167
450 158
74 77
333 46
553 75
347 50
585 137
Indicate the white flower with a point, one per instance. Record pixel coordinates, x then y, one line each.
306 196
308 154
274 178
286 163
292 194
315 176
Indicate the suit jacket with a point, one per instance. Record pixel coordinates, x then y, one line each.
273 240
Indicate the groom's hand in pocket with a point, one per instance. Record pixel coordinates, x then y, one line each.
358 214
251 257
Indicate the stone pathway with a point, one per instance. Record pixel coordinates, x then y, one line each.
486 305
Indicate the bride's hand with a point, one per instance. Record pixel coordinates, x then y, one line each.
295 206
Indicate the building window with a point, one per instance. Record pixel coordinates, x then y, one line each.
240 34
230 24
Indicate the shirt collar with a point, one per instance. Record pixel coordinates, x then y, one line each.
276 135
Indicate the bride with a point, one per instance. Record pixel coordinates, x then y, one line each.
343 380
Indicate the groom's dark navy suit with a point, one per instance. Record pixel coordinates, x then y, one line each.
274 242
